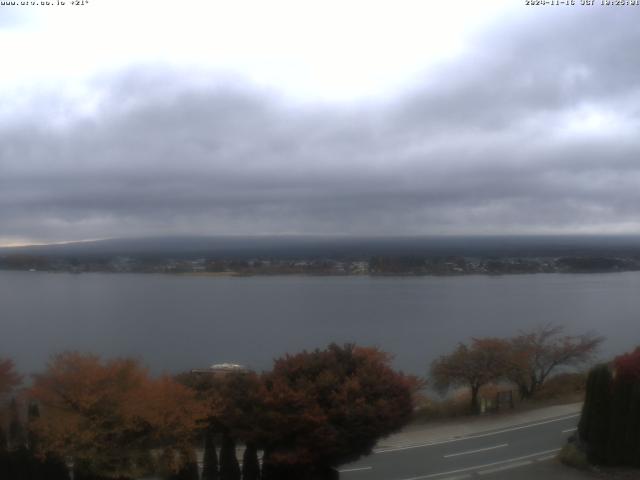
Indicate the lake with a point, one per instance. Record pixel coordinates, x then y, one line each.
175 323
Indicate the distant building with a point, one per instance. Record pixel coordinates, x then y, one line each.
222 369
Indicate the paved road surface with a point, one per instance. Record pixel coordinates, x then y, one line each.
491 455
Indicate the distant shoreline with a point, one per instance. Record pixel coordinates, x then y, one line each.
328 275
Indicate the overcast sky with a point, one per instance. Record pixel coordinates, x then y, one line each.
130 118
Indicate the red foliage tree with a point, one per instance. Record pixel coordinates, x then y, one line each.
328 407
627 367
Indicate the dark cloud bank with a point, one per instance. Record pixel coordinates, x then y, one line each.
533 131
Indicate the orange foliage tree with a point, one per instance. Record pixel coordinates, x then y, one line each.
484 361
106 415
328 407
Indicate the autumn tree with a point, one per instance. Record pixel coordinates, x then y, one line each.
472 366
210 459
233 402
540 352
327 407
106 414
9 378
627 367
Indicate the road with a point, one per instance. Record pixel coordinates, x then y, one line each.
483 455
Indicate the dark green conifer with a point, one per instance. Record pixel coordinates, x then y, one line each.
17 437
210 460
33 414
594 424
586 418
617 449
3 440
54 468
19 464
632 439
229 467
250 464
4 464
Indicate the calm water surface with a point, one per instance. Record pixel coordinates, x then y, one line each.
180 322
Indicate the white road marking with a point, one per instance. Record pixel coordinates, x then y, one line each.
487 465
546 458
570 430
359 469
470 437
469 452
504 467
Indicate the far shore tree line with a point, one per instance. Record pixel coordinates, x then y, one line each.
111 419
340 264
525 361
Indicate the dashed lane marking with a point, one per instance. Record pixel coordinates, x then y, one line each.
469 452
485 466
358 469
471 437
546 458
505 467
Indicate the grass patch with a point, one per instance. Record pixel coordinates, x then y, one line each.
429 408
560 389
574 457
563 386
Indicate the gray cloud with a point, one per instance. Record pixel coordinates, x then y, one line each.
534 130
